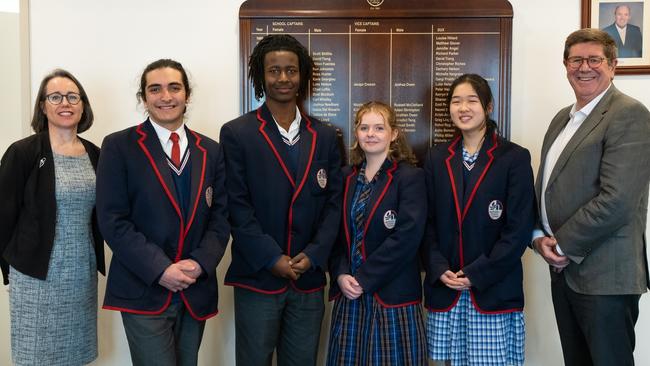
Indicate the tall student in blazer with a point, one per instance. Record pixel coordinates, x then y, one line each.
284 192
161 204
375 267
49 240
481 214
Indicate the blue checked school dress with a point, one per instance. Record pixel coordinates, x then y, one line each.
363 332
467 337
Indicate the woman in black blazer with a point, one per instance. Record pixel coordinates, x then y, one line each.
49 240
374 268
481 216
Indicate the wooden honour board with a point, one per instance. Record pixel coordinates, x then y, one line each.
402 52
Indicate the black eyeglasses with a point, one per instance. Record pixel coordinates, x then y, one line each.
592 61
57 98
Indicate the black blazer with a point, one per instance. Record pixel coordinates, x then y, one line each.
28 209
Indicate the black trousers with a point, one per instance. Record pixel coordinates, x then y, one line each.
594 329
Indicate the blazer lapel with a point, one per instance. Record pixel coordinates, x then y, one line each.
377 191
594 118
270 133
150 145
348 194
454 164
198 159
308 137
554 129
483 163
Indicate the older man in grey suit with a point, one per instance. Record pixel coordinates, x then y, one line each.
592 187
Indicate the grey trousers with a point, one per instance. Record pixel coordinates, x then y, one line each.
288 323
171 338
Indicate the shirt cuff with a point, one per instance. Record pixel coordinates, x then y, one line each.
537 233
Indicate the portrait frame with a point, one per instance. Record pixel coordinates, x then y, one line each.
600 13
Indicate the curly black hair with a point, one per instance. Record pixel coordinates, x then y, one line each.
279 42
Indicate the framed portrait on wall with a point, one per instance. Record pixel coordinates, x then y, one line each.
628 22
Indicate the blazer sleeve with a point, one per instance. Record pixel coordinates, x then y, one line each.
435 263
143 258
624 173
215 238
257 248
319 248
13 174
339 262
506 253
397 250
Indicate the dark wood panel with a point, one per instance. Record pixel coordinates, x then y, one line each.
387 9
407 60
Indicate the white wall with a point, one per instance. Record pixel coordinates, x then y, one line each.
107 44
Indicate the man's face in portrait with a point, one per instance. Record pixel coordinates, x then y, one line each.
622 15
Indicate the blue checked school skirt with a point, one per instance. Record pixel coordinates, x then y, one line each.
467 337
365 333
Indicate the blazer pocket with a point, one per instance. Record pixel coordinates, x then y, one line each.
123 284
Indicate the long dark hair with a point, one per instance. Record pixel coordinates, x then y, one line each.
482 89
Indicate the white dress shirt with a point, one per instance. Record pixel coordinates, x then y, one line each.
575 121
163 136
294 128
621 33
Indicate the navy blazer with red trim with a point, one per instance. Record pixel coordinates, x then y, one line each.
141 220
271 212
391 264
485 235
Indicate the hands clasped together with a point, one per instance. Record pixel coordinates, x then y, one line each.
180 275
291 268
349 286
456 281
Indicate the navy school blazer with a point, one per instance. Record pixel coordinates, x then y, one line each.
274 213
395 219
483 232
28 210
142 223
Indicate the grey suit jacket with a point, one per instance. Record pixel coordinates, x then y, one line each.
597 196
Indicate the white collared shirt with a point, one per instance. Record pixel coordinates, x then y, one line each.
294 128
554 152
621 32
163 136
